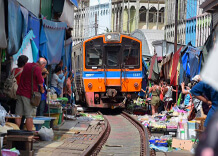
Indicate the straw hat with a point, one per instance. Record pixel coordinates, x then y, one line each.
45 71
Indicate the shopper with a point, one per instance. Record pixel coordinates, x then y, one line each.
168 96
22 60
207 94
42 105
23 106
155 90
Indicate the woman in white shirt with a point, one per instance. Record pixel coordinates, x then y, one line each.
57 82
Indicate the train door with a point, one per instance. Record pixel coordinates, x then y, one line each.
112 65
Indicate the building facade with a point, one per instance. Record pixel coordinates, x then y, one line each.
170 21
101 16
193 25
128 15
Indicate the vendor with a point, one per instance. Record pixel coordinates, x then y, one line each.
68 89
57 82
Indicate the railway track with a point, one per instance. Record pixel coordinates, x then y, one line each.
122 135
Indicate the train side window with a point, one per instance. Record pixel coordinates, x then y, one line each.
131 57
94 57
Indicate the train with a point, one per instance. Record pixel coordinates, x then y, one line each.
107 70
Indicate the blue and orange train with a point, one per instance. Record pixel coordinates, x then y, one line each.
108 70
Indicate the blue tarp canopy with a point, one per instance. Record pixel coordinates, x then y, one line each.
74 2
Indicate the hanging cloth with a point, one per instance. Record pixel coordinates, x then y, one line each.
68 10
34 25
154 69
67 59
173 79
15 27
27 48
3 41
52 40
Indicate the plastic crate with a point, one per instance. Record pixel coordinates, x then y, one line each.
191 125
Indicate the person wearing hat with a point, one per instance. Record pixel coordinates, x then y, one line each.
41 107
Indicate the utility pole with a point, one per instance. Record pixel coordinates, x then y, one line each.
175 39
96 25
176 23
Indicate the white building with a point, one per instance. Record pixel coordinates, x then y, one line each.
93 17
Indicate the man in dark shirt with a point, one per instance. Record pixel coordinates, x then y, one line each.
23 106
207 94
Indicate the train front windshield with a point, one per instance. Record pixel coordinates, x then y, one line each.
112 55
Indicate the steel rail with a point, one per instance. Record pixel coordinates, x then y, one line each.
95 148
145 150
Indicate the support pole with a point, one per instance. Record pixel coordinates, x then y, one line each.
175 39
96 25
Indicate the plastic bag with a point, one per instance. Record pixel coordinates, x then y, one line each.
46 134
2 115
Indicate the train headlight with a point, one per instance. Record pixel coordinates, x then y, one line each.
90 85
108 37
136 85
112 37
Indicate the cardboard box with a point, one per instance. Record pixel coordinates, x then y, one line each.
183 144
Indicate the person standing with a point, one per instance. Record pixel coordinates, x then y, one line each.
22 60
41 107
155 99
68 87
57 82
23 105
208 95
168 98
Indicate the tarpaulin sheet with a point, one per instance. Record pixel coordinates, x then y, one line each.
173 79
27 48
191 61
25 14
3 41
52 40
67 59
154 69
34 25
15 27
67 10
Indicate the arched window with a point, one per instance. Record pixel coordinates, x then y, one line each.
161 15
142 14
153 15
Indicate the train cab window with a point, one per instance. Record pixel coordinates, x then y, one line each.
94 57
112 55
131 57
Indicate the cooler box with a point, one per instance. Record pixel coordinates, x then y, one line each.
46 123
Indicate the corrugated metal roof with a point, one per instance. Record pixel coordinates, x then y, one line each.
147 37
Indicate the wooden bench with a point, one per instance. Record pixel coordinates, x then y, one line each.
23 143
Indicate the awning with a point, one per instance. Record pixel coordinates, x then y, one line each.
74 2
